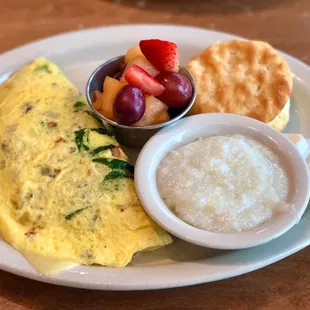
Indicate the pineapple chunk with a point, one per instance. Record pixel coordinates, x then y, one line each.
142 62
110 89
155 112
162 118
132 53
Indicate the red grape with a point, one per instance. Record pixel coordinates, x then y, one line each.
178 89
129 105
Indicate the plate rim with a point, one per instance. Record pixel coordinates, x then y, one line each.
197 279
128 25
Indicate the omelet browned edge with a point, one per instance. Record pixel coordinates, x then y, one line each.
51 202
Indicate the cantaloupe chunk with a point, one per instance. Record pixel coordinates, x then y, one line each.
97 100
142 62
132 53
155 112
110 89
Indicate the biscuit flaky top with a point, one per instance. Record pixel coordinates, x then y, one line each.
242 77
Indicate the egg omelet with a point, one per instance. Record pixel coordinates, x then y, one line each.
66 186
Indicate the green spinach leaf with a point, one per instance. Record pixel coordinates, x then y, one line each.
78 105
115 164
102 131
102 148
81 138
114 174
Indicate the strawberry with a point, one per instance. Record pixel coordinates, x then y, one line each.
163 55
138 77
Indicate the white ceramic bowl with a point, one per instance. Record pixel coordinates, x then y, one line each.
190 129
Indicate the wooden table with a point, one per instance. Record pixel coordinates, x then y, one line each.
286 25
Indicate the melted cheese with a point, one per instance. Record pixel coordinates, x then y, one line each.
47 266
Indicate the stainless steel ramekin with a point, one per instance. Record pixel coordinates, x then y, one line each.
130 136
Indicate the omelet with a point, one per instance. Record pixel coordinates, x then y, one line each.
67 189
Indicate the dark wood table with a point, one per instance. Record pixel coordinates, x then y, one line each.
286 25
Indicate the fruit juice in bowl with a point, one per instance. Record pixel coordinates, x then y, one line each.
137 94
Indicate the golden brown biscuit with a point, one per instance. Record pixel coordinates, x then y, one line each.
242 77
282 119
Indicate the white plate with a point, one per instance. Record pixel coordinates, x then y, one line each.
78 54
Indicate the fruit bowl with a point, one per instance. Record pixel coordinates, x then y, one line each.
130 136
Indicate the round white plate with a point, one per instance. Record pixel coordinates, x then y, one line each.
180 264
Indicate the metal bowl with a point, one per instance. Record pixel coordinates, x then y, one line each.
130 136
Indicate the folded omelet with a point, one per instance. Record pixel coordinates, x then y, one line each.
66 187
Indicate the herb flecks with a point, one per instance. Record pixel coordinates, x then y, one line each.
102 131
78 106
115 164
43 68
102 148
81 137
116 175
70 215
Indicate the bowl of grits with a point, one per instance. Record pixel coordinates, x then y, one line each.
223 181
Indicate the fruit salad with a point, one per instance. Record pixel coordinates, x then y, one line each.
148 89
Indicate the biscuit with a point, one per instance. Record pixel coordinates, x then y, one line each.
242 77
282 119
